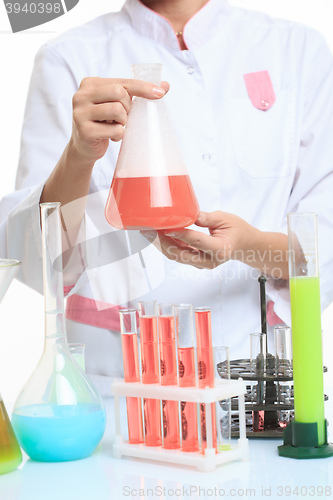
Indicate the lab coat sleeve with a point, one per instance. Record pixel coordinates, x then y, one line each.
46 131
313 183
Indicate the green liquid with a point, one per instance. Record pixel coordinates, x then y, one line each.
307 352
10 452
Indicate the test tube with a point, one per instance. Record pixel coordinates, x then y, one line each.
150 371
258 371
283 370
129 341
186 370
168 360
203 328
223 408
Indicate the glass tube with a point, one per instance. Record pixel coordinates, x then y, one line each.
223 408
150 371
283 368
77 351
203 327
168 364
258 371
129 341
306 321
187 375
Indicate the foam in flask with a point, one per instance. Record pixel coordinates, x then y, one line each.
151 188
59 415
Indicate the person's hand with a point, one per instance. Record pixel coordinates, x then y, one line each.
230 237
100 110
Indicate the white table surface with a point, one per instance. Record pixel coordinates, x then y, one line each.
101 477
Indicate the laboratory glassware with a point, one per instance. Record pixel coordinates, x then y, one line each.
59 415
283 370
187 375
10 452
306 436
203 326
258 346
223 407
168 365
77 352
150 371
129 341
151 188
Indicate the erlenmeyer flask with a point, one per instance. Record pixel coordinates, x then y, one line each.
151 188
59 415
10 452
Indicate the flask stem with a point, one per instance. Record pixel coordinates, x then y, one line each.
52 271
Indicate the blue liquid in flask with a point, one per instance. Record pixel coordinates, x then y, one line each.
57 433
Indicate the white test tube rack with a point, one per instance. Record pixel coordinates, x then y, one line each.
204 462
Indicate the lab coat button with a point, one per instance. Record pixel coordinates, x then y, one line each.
190 70
206 157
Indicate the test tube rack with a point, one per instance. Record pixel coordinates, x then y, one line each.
205 462
241 368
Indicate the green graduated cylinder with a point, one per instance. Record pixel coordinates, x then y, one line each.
307 352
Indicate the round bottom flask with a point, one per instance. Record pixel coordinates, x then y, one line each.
59 414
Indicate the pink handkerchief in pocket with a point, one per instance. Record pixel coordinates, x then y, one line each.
260 89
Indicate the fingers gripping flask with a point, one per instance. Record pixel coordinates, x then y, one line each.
151 188
59 415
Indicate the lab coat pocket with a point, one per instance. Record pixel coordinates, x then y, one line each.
262 140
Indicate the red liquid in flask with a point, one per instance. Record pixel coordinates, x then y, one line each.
161 202
132 374
150 375
170 411
189 421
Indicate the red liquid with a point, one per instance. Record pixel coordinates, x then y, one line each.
167 350
151 202
130 357
205 369
149 350
189 420
132 374
171 433
152 419
203 328
150 375
258 419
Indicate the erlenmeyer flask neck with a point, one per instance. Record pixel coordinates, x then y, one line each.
148 72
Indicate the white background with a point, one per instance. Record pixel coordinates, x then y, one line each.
21 313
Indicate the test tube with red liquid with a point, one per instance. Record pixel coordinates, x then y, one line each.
168 359
187 375
203 328
129 341
150 371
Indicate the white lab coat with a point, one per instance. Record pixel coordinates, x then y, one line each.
257 164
